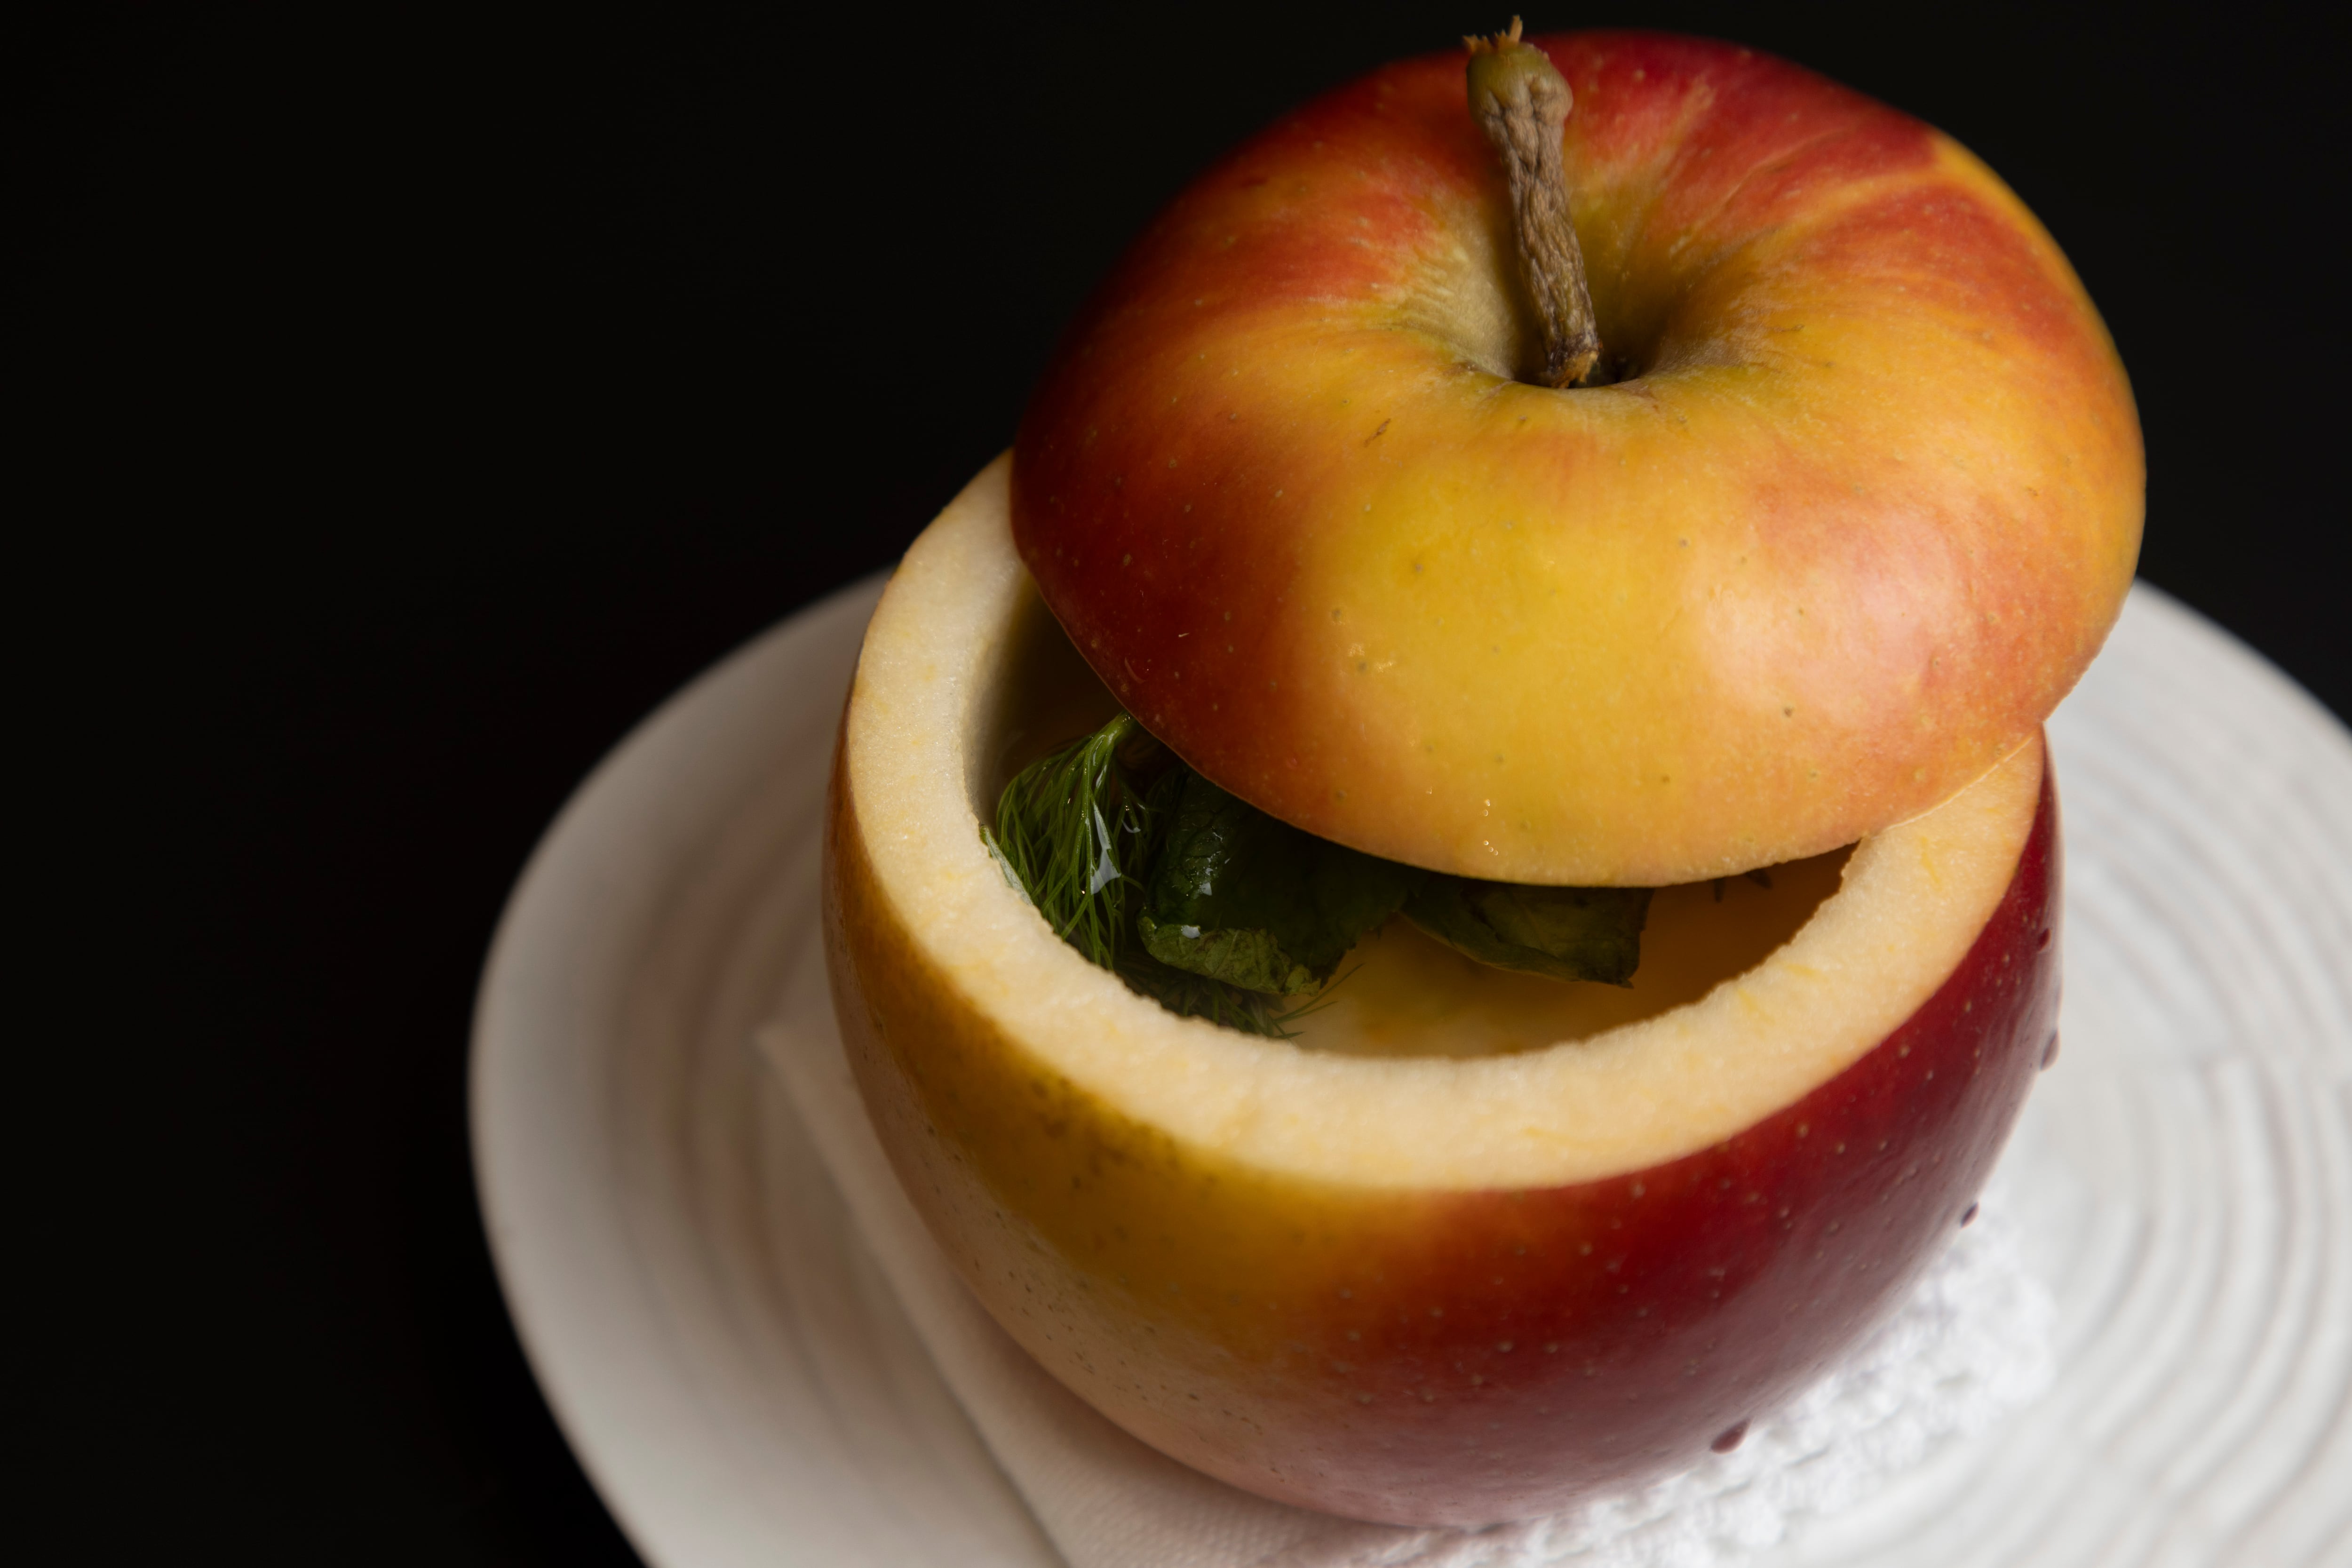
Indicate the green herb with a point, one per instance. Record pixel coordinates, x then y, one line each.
1214 910
1247 899
1190 995
1568 933
1074 835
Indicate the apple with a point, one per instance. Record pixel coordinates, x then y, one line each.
1862 506
1412 1286
1785 574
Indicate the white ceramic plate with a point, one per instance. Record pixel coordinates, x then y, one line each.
742 1388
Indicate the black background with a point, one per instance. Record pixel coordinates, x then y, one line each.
419 402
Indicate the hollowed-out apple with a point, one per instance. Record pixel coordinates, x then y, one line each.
1473 1244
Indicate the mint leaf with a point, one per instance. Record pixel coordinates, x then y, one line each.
1189 996
1568 933
1076 832
1215 909
1251 960
1244 897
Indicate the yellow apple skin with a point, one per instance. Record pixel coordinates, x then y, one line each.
1861 516
1430 1357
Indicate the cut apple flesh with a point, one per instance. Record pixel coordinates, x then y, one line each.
1329 1269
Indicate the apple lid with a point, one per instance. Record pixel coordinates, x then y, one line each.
1860 506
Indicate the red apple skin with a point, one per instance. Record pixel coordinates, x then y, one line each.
1718 1285
1440 1358
1861 518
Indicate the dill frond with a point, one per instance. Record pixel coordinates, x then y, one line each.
1076 833
1073 833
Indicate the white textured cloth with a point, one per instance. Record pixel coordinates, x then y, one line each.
1972 1344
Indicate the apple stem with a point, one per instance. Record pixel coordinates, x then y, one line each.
1522 102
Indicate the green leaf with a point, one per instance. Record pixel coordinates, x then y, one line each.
1568 933
1216 910
1074 833
1189 996
1251 960
1241 897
